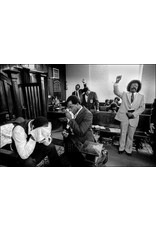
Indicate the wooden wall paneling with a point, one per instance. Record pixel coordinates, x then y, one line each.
46 81
31 102
34 100
27 101
8 97
12 75
43 97
39 101
16 97
50 81
3 96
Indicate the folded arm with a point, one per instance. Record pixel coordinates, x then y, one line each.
24 147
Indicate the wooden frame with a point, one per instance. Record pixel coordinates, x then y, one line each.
56 74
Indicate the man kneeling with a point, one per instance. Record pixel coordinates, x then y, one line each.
79 129
32 141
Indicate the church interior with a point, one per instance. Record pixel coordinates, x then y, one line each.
32 90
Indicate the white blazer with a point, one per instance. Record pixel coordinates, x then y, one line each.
138 106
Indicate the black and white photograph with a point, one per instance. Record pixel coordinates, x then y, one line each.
77 115
93 115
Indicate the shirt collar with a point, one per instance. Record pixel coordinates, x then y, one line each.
131 93
86 97
29 127
78 111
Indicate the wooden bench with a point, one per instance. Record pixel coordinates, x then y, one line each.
107 126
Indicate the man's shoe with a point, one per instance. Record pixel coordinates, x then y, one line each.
121 152
128 154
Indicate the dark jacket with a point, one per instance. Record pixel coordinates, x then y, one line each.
82 125
92 103
153 116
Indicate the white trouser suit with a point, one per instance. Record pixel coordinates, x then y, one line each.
128 126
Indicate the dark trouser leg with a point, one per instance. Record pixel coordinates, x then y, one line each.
40 152
154 145
30 162
75 157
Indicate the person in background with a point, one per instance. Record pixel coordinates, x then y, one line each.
90 100
117 101
128 114
107 102
113 108
51 103
79 130
32 141
111 101
153 128
78 91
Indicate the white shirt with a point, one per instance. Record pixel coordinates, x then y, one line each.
77 93
25 148
73 117
78 111
130 94
86 98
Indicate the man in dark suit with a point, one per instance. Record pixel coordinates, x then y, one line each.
90 100
79 130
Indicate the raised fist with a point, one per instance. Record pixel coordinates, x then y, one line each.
83 81
118 78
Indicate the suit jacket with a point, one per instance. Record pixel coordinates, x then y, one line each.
92 102
80 93
138 106
82 125
153 116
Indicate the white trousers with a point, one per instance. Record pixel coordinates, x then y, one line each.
126 137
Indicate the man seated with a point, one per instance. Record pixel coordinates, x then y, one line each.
107 102
117 101
32 141
78 129
113 108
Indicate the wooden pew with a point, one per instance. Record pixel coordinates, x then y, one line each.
108 126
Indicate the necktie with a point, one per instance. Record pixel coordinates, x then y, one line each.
132 97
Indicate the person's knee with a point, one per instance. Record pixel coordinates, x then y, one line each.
49 148
30 162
